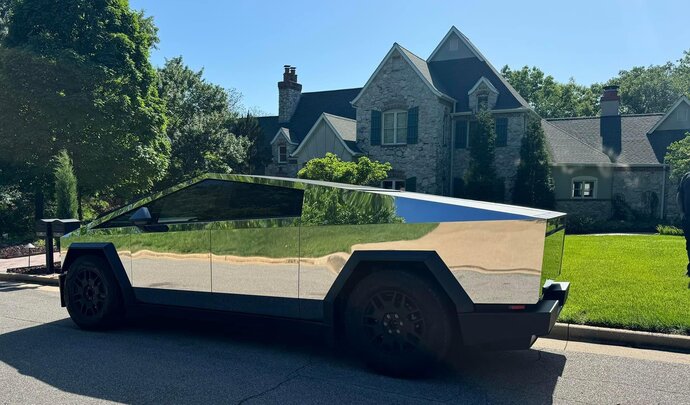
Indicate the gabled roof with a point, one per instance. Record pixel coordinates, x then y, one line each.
455 77
637 145
285 133
486 82
682 99
311 105
345 129
418 64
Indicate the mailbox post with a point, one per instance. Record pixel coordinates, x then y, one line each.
50 228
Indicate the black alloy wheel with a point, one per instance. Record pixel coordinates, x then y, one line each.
92 294
400 323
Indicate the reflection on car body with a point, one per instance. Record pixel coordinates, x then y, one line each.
296 248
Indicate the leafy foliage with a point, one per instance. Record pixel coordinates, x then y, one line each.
678 157
533 182
363 171
550 98
481 181
259 154
334 206
200 115
76 76
654 88
65 186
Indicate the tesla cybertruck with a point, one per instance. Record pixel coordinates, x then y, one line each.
403 277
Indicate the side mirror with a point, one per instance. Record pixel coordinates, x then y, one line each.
141 217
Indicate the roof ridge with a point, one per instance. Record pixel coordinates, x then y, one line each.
566 133
411 53
338 116
331 91
589 117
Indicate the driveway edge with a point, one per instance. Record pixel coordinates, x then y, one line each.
621 337
30 278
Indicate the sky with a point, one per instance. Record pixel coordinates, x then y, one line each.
244 44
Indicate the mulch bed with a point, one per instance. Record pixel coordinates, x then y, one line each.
11 252
35 270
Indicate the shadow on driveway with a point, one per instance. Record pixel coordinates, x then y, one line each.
170 360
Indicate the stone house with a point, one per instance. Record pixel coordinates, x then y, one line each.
417 113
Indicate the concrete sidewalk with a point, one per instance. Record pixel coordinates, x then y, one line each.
36 260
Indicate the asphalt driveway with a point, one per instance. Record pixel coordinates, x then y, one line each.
44 358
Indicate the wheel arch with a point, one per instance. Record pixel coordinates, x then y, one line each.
107 252
362 263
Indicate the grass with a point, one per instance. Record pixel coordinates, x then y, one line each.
316 241
634 282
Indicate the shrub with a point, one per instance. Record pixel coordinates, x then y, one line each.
669 230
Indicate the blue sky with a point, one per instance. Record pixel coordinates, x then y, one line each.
244 44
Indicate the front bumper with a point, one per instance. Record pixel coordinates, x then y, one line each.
503 327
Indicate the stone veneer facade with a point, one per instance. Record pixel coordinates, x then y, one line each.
398 86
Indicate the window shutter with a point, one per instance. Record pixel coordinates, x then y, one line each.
460 134
375 138
501 131
411 184
412 125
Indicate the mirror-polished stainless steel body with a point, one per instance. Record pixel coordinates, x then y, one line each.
296 246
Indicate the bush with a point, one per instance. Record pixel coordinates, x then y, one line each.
578 224
669 230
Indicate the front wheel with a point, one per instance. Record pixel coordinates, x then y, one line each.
92 294
399 322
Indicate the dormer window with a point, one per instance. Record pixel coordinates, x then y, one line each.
483 100
395 127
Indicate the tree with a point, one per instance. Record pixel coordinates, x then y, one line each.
481 181
654 88
363 171
259 154
533 182
678 157
76 75
5 13
201 116
65 186
550 98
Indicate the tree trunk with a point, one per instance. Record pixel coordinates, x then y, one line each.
39 205
80 212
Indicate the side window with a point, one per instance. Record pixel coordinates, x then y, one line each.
218 200
501 132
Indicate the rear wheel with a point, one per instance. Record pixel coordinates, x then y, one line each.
92 294
399 322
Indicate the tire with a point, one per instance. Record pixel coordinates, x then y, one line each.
93 297
400 323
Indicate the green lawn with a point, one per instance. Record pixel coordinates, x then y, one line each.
633 282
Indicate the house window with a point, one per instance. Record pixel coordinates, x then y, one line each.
393 184
282 154
394 127
682 115
454 44
483 101
501 131
584 187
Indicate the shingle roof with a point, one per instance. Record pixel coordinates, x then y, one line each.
566 148
311 105
346 128
637 146
420 64
457 76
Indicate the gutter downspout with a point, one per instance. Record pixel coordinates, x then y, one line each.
452 148
663 192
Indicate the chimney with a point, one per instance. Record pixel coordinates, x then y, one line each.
610 122
289 92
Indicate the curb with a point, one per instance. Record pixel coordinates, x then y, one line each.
620 337
29 278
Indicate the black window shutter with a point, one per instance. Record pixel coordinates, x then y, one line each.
411 184
412 124
375 138
460 134
501 131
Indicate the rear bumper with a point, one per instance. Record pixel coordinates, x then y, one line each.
497 326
